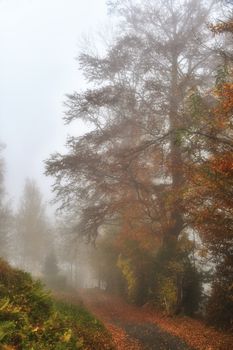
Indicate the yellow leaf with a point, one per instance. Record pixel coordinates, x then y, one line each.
66 336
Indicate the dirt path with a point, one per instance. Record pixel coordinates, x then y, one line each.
135 328
129 329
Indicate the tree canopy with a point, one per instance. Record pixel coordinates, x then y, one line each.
157 162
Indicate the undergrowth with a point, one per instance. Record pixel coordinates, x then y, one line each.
31 320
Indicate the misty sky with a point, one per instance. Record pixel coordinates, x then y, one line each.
38 43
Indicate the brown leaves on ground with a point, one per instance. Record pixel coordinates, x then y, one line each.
121 340
119 337
194 332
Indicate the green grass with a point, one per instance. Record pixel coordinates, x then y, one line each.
31 320
80 315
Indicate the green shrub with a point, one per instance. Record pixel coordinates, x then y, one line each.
31 320
219 311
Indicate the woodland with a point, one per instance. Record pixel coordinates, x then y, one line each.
145 197
153 178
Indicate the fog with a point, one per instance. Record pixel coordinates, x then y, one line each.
116 149
39 41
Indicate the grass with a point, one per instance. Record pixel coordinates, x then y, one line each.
31 320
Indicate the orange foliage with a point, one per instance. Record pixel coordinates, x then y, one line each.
223 164
225 94
222 27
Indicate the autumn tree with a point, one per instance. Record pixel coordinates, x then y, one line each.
132 165
209 194
142 81
210 207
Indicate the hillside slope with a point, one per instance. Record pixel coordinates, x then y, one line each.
31 320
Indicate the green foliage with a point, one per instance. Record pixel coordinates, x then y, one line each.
127 269
222 75
167 294
220 304
167 277
191 289
176 282
6 328
80 315
135 264
29 318
196 104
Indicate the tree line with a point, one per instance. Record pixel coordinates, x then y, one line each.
33 240
26 232
151 183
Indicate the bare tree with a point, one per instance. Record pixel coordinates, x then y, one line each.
5 215
32 229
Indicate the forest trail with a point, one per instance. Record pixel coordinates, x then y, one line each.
130 328
135 328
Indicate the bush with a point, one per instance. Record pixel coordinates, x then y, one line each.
191 289
29 318
177 283
219 311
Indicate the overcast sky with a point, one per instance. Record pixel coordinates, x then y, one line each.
38 43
